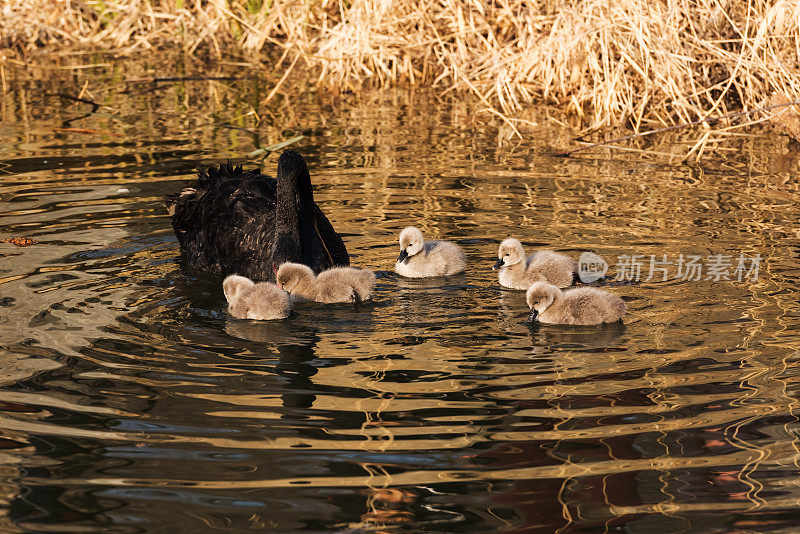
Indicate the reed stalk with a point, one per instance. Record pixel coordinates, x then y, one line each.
640 64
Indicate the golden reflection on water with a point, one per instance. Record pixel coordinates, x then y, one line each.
435 406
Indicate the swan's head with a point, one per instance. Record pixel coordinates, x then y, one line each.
291 274
540 296
509 253
411 243
234 285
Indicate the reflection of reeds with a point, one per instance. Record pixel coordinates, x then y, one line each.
634 62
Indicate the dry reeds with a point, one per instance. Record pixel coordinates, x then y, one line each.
636 63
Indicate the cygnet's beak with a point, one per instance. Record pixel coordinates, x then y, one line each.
533 316
403 256
497 264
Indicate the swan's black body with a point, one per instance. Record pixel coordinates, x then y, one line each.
232 221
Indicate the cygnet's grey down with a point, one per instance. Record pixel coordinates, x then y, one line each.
518 271
340 284
420 259
579 306
248 300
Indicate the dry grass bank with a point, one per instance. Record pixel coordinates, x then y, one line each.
636 63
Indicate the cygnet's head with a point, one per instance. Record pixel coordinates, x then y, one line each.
411 243
290 274
539 297
234 285
509 253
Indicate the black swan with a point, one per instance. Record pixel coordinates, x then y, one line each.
232 221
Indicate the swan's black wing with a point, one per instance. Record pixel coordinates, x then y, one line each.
320 246
225 222
333 242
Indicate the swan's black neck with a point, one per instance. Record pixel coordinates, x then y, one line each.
293 177
294 209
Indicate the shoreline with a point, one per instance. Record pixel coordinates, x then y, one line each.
608 69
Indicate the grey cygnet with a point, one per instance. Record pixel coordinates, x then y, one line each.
578 306
518 271
261 301
421 259
340 284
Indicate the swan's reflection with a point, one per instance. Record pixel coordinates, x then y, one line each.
307 320
280 332
565 336
297 351
429 284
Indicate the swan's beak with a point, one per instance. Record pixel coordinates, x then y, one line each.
533 316
497 264
402 257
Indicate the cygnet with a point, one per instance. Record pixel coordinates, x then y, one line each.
420 259
340 284
248 300
579 306
518 271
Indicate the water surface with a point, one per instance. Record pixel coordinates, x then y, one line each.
131 401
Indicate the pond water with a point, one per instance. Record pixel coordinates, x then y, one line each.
130 401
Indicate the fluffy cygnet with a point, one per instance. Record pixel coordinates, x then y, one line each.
518 271
340 284
580 306
248 300
419 258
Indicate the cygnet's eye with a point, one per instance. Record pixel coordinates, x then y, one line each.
508 253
